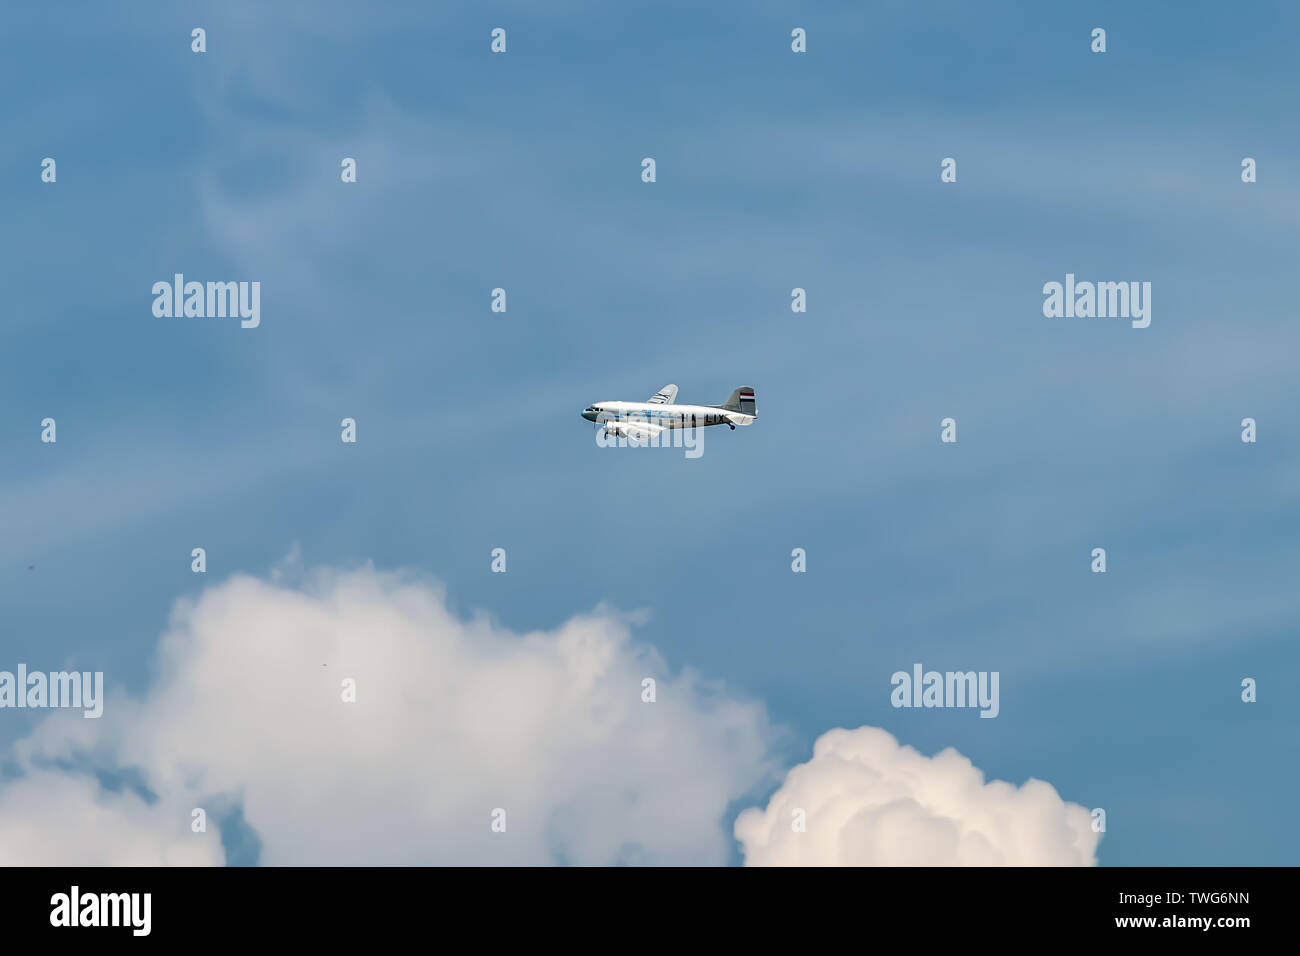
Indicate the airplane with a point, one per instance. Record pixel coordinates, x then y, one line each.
642 421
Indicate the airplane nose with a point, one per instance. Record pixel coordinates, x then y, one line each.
589 415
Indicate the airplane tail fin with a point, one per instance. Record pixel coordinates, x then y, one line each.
742 401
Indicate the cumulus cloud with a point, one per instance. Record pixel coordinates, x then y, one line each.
51 818
452 720
870 802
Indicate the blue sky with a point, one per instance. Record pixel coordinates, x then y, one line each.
775 170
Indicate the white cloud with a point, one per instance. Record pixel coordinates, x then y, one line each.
455 718
452 720
50 818
870 802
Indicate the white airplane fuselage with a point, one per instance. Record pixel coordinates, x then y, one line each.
644 420
665 416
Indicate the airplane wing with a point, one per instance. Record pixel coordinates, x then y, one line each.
665 396
634 431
